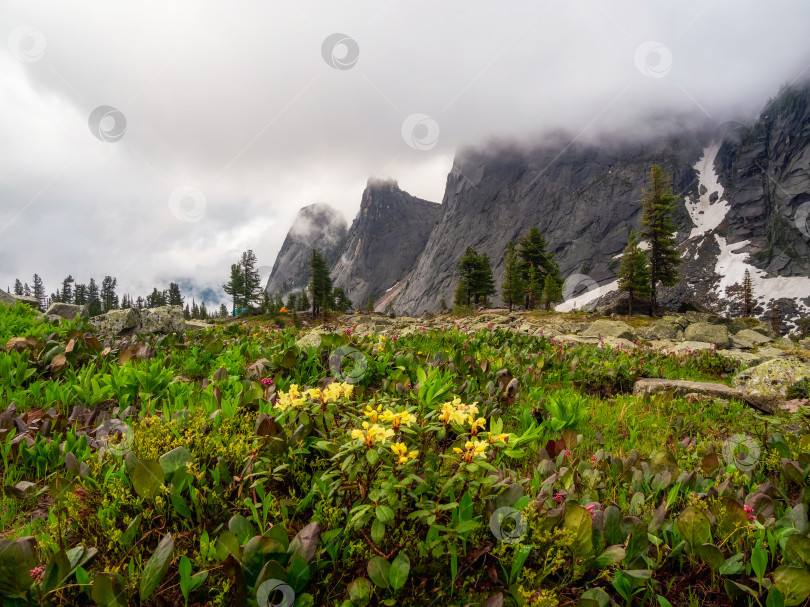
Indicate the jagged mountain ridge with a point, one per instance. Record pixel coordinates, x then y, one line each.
384 241
317 226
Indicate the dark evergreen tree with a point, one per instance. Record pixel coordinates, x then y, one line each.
251 281
303 300
476 283
140 302
634 275
94 306
195 310
235 286
39 292
658 206
340 302
552 291
292 301
223 310
187 313
320 284
776 321
175 298
18 287
126 301
748 295
80 294
26 290
109 300
512 286
203 311
66 295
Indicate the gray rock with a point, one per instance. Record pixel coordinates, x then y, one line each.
66 310
115 322
310 340
677 387
196 325
306 541
7 299
769 381
164 320
804 344
610 328
706 332
739 342
691 346
31 302
257 370
669 327
754 337
786 343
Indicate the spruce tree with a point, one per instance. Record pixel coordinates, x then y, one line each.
223 311
292 301
195 311
512 286
187 312
320 282
476 283
203 311
39 292
748 295
658 206
18 287
303 300
109 300
235 286
634 275
552 291
93 298
251 280
26 290
80 294
174 296
66 295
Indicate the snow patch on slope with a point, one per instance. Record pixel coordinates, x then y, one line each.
576 303
707 215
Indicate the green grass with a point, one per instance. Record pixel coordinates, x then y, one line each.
614 495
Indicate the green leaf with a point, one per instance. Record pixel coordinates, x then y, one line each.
378 570
242 528
400 568
595 597
694 526
377 531
612 525
711 555
132 529
578 522
109 590
298 573
384 514
56 572
227 543
797 549
360 592
611 556
156 567
793 583
732 566
517 564
175 459
372 457
147 479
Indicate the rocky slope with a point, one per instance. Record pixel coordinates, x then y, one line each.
317 225
384 241
745 193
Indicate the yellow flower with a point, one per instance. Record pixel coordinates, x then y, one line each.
397 419
475 424
472 449
403 456
497 437
371 434
372 414
292 398
348 389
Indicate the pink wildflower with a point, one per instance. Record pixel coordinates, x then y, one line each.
558 497
37 573
750 512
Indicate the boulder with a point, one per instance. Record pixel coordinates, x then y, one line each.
257 370
66 310
804 344
196 325
31 302
669 327
679 387
610 328
769 381
754 337
163 319
7 299
116 322
310 340
707 332
786 344
691 346
739 342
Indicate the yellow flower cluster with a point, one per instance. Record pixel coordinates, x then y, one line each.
457 412
294 398
397 419
497 437
372 433
401 451
373 414
472 449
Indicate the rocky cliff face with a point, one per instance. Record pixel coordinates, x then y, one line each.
316 226
745 203
384 241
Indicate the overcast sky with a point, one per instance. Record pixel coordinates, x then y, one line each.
218 120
